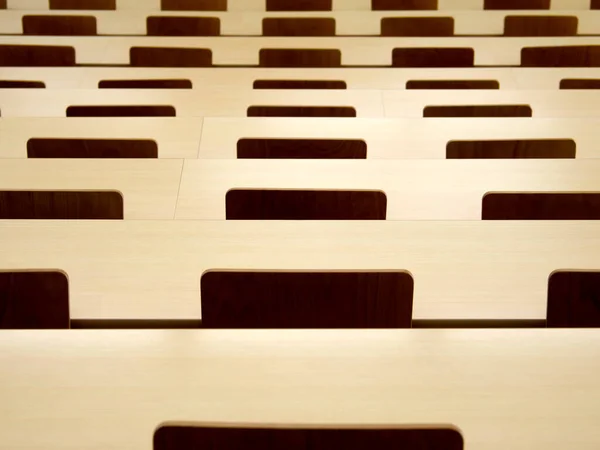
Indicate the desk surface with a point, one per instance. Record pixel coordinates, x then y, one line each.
152 269
517 389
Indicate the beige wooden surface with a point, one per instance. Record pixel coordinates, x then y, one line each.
385 138
243 78
152 269
133 22
518 389
495 51
176 137
259 5
149 187
197 103
415 189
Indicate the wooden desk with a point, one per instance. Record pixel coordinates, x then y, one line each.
259 5
152 269
149 187
197 103
243 78
133 22
385 138
521 389
361 51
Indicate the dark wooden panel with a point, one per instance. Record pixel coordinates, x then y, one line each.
540 25
404 5
105 205
298 5
301 149
299 26
183 26
541 206
301 111
299 84
595 4
193 5
417 26
452 84
121 111
19 84
516 4
520 148
91 148
579 83
567 56
433 57
170 57
34 300
59 25
372 438
574 300
36 55
291 204
300 58
145 84
2 4
478 111
83 4
306 300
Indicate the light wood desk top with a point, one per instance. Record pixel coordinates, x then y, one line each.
196 103
259 5
362 51
385 138
415 189
152 269
518 389
243 78
149 187
133 22
176 137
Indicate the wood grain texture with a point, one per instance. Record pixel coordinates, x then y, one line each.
2 4
173 437
61 205
183 26
478 111
516 4
298 26
193 5
91 148
272 204
579 83
433 57
301 111
300 58
170 57
521 26
566 56
541 206
84 4
306 300
301 149
21 84
59 25
514 149
417 26
121 111
298 5
145 84
403 5
452 84
34 300
36 55
299 84
574 299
